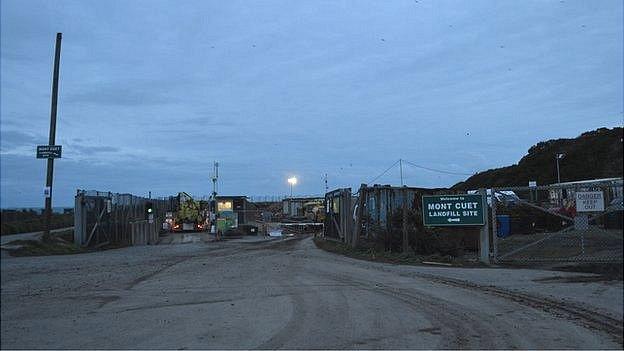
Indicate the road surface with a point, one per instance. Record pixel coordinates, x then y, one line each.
289 294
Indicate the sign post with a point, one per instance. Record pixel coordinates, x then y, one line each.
459 210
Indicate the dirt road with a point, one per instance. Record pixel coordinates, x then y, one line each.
289 294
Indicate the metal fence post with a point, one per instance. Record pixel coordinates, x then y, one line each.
494 226
484 242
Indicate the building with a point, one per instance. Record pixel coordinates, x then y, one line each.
233 211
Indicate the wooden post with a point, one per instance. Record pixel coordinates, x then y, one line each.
405 240
346 216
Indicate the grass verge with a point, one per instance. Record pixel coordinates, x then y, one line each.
60 244
394 257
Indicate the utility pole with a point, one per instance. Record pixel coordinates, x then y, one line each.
401 170
215 177
52 139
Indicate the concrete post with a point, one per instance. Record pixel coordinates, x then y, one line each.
484 241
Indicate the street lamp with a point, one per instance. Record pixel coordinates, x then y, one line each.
559 157
292 181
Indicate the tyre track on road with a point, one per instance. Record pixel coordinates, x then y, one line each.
458 327
590 319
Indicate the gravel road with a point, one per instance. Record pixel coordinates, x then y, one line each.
289 294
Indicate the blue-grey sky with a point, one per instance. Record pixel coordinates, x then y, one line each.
151 92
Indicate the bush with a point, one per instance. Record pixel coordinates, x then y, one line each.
14 222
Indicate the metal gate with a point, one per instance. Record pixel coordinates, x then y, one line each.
338 215
569 222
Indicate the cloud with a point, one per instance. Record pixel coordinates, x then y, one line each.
122 93
152 92
11 139
87 150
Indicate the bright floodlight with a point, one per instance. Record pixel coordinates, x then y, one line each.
292 181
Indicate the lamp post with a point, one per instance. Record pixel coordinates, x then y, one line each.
558 157
292 181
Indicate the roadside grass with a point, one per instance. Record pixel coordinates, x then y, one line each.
602 271
26 222
371 254
61 244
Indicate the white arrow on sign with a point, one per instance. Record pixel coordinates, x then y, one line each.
453 220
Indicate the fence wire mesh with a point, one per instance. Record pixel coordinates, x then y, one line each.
572 222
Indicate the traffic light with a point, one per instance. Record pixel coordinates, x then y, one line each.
149 210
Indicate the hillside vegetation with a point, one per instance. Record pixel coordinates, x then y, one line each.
25 221
595 154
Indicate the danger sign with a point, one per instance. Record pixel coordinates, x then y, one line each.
589 201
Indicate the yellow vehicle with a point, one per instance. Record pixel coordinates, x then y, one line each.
189 216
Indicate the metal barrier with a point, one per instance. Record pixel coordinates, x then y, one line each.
144 233
107 218
573 222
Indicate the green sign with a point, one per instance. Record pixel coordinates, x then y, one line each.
449 210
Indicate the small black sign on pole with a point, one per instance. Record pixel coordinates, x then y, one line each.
50 170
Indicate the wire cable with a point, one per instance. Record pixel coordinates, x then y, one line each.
435 170
384 172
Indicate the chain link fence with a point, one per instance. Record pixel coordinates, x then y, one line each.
572 222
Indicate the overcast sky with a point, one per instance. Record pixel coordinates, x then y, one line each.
151 92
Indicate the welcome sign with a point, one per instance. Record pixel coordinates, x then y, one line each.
451 210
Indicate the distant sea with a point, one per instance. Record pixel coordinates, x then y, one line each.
38 209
